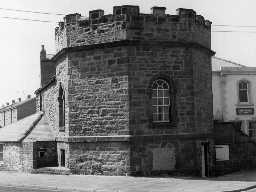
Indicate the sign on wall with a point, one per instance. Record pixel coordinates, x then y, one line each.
222 152
244 111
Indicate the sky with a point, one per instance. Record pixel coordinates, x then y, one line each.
20 41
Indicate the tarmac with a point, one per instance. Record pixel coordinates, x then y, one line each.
239 181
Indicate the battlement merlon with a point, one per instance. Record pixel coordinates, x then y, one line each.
127 23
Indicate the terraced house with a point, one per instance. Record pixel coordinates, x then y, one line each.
127 93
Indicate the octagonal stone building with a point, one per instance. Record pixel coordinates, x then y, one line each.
130 93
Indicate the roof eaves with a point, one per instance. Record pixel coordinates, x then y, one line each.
52 81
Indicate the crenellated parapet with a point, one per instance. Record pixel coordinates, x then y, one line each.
127 23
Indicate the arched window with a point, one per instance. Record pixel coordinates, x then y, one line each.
160 101
61 100
243 91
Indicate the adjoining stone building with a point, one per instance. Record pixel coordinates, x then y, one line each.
25 137
130 93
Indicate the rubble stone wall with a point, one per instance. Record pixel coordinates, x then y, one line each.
101 158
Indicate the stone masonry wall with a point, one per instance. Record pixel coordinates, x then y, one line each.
127 23
28 156
98 92
189 74
149 63
101 158
203 98
12 156
49 97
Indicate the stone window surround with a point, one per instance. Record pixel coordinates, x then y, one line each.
158 86
172 110
249 103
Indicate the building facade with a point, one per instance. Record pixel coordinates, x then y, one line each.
17 110
130 93
234 115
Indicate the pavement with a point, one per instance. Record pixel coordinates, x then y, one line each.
236 182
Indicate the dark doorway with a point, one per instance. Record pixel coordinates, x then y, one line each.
205 159
62 158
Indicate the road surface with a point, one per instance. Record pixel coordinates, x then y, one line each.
27 189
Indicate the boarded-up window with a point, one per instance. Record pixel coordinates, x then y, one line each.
164 159
1 152
222 152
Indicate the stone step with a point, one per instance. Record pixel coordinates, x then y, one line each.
52 170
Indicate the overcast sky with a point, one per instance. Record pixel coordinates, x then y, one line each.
20 41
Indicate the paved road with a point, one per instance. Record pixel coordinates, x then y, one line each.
26 189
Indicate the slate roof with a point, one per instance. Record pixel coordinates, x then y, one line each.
218 64
32 127
41 132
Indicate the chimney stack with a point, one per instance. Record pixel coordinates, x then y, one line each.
29 96
13 101
42 53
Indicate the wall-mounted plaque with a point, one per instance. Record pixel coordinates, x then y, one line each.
244 111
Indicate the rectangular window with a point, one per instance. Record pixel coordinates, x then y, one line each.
1 152
243 92
243 96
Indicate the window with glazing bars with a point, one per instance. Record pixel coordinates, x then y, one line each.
160 101
243 92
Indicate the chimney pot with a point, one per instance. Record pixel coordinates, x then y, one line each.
19 99
13 101
29 96
7 103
